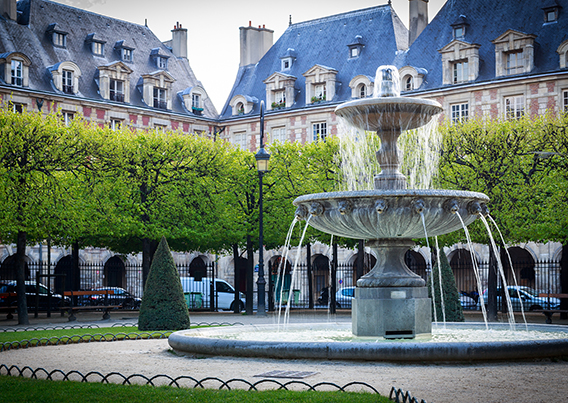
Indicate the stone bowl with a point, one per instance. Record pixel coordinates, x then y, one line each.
383 214
388 113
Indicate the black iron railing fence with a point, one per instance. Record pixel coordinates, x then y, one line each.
305 287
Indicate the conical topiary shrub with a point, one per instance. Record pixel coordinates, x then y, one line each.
453 307
163 305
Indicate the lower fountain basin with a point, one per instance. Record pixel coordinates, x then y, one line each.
383 214
459 342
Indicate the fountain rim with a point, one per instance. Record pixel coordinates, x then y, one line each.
400 102
422 193
388 351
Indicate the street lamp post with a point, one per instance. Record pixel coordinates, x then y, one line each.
262 158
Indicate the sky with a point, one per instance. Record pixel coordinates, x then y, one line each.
213 26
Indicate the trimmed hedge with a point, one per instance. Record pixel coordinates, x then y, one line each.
163 305
453 307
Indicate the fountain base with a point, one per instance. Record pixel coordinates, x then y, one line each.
391 312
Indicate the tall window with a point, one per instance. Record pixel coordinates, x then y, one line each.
17 73
461 72
515 63
17 108
409 83
279 99
59 39
319 93
460 113
115 124
97 48
320 131
162 62
195 101
127 54
240 140
362 91
515 107
117 90
565 101
67 81
160 98
67 118
279 134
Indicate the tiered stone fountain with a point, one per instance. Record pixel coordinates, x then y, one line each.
390 301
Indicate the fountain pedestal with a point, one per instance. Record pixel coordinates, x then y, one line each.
391 312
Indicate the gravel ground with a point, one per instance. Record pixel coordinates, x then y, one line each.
536 381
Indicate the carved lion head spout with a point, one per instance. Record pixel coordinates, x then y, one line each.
345 207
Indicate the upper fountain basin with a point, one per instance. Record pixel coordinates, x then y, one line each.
381 214
388 113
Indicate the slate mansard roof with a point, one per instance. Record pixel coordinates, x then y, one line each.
487 20
325 42
29 36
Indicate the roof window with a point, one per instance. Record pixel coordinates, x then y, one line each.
287 60
356 47
125 52
58 36
551 10
459 27
97 45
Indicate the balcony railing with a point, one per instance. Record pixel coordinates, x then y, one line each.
68 89
160 104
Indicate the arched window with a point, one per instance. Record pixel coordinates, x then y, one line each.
362 91
408 83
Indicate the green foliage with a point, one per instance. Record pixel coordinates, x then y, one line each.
521 165
453 308
163 305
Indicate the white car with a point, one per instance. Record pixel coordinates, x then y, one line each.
344 297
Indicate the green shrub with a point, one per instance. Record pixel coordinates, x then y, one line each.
453 308
163 305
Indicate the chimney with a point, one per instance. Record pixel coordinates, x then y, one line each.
418 18
254 43
8 9
179 41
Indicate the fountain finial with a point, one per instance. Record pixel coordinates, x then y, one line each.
387 82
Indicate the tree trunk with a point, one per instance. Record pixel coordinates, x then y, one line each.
21 279
250 278
236 270
492 288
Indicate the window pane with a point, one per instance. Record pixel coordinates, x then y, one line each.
17 73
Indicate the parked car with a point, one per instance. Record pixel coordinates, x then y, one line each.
224 293
120 297
529 297
467 302
57 300
344 297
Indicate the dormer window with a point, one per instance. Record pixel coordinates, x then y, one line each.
563 53
361 86
280 92
459 27
159 58
65 77
408 83
114 82
127 55
279 99
17 73
97 46
157 89
58 37
194 99
551 10
460 62
67 82
514 53
16 68
125 52
320 84
241 104
287 60
356 47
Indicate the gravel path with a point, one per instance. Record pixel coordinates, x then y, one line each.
532 382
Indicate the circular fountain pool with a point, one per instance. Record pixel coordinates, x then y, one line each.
456 342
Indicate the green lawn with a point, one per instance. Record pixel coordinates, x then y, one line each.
18 389
76 334
15 389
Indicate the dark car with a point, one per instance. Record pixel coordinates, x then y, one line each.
119 297
57 300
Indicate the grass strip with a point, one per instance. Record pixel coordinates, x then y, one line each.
51 336
18 389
